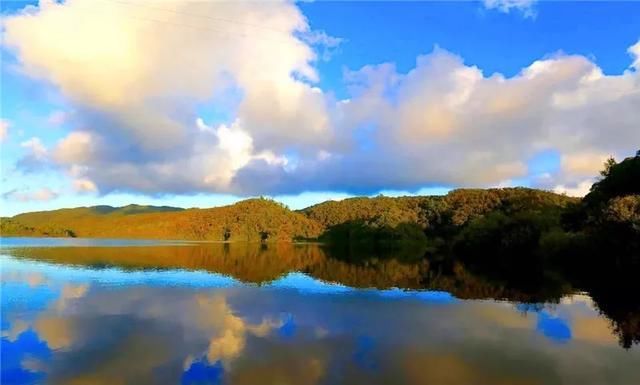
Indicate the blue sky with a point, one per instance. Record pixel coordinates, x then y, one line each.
494 41
195 104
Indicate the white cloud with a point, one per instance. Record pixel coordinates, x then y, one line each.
579 190
138 91
44 194
634 51
84 186
36 155
35 147
583 163
446 123
135 87
506 6
235 151
136 77
76 148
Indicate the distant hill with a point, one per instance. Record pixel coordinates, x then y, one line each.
249 220
266 220
102 210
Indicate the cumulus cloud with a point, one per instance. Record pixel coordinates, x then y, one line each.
138 92
136 87
76 148
84 186
634 51
526 7
446 123
583 163
35 148
36 155
44 194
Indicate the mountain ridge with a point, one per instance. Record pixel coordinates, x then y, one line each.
263 219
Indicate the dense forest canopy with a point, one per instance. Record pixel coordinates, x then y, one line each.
265 219
250 220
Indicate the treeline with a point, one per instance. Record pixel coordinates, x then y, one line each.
430 212
442 223
500 225
10 227
252 220
363 220
606 222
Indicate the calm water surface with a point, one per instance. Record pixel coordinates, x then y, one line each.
129 312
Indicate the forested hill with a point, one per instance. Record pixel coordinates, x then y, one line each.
95 211
266 220
468 219
248 220
455 209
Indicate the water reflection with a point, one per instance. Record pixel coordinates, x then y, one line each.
291 314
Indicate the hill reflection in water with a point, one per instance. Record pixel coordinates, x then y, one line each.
284 313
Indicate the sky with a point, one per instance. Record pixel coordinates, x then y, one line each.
200 104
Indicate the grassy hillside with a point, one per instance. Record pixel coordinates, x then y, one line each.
249 220
266 220
10 227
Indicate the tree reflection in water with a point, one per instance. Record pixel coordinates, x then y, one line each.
613 288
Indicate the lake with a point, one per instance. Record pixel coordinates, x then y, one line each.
148 312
